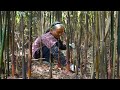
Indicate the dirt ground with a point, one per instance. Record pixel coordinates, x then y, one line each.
41 71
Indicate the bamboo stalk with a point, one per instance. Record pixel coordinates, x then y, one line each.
103 47
50 59
23 51
112 44
115 54
68 51
2 45
115 44
30 47
8 28
13 59
41 31
77 47
118 44
93 37
86 41
97 47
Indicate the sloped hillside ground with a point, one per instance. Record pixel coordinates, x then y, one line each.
41 71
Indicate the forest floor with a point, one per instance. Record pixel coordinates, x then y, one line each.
41 71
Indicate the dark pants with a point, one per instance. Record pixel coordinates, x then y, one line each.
45 54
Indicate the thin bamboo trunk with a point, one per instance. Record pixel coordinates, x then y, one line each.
13 56
41 32
3 44
58 18
115 45
112 43
102 61
50 59
30 46
93 37
86 42
8 32
23 50
97 46
118 44
68 51
77 49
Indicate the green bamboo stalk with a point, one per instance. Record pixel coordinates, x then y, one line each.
16 45
23 51
111 32
44 20
53 16
2 44
30 46
86 40
102 46
38 22
58 17
116 40
112 44
41 16
6 46
105 49
41 31
71 37
40 13
34 21
77 47
50 59
93 37
105 40
97 46
78 42
67 43
8 31
82 34
50 71
50 17
13 59
118 44
115 44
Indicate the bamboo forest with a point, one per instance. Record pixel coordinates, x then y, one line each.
93 35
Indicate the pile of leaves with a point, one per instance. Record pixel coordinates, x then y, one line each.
42 71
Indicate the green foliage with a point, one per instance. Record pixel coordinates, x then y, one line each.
75 24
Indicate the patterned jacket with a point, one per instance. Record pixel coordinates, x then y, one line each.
52 43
